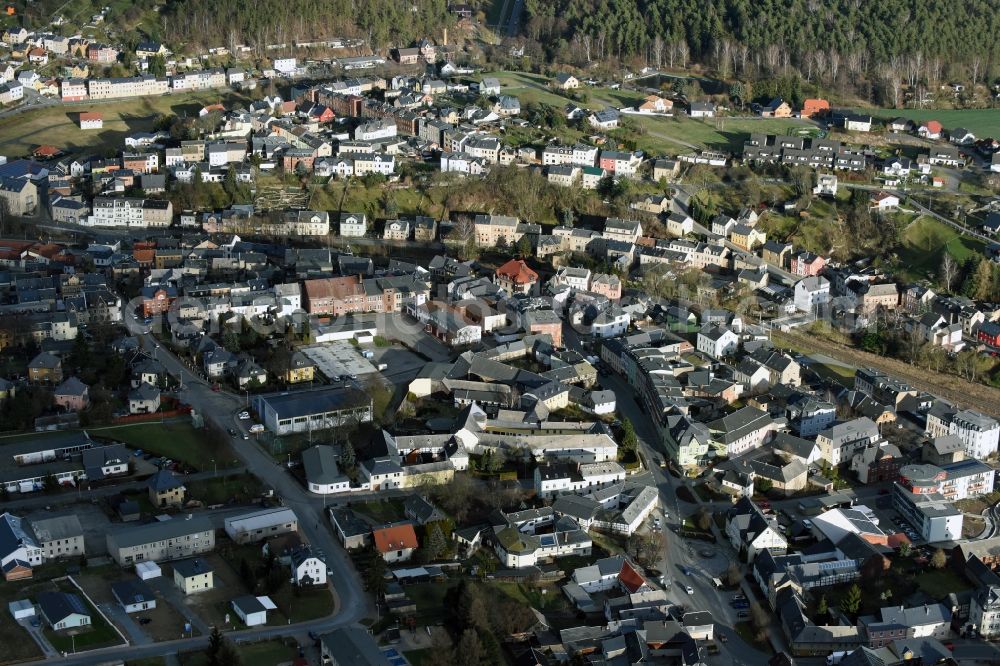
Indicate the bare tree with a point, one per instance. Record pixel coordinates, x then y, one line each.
772 57
949 271
657 51
976 65
834 65
683 52
586 41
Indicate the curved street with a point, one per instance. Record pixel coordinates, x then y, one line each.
351 602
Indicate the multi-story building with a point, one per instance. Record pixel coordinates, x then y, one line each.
838 443
935 518
162 541
129 212
954 481
133 86
979 433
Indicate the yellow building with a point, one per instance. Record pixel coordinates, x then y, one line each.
300 369
193 576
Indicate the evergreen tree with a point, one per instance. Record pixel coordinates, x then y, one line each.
524 247
348 457
852 601
469 651
436 544
630 441
215 642
822 609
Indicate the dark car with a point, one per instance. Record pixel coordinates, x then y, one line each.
740 603
743 615
145 620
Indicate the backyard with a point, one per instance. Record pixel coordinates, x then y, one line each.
981 122
58 125
177 440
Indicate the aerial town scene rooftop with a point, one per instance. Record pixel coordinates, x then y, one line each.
498 333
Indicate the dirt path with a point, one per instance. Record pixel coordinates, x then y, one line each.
954 389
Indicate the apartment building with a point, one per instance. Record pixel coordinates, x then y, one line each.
978 432
168 540
130 212
132 86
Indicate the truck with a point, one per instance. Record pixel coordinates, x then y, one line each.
835 658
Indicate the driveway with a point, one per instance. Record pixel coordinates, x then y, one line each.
165 586
39 637
134 633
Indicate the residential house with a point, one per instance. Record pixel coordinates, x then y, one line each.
72 395
165 490
134 595
396 543
63 610
193 576
751 532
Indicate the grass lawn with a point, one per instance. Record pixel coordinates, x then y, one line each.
244 487
981 122
267 652
99 634
176 440
660 135
383 511
429 598
937 583
21 133
837 373
309 604
419 657
925 240
545 598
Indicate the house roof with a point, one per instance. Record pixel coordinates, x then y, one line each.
397 537
630 578
163 481
517 272
72 387
57 606
195 566
132 591
56 527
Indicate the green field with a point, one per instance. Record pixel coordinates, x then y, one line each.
981 122
57 126
661 135
179 441
924 242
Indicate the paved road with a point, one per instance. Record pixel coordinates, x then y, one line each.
679 552
221 409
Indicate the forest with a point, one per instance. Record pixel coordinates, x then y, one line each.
744 38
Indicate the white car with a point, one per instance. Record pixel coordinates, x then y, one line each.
244 416
689 589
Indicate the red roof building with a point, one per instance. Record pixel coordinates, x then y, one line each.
515 277
396 543
631 580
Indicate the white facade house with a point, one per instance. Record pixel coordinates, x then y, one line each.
307 569
979 433
353 225
717 341
284 65
811 292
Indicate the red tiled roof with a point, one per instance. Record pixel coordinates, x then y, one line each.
399 537
517 272
933 126
90 115
631 579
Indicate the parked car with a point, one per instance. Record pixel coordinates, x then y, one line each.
742 615
244 416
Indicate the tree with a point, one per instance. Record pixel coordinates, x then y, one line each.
733 574
739 91
524 248
949 271
703 519
568 217
939 559
905 549
469 651
821 608
247 573
852 601
348 457
982 281
630 441
435 544
215 642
